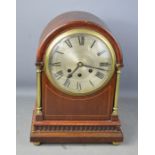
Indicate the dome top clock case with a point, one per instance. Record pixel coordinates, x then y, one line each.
78 73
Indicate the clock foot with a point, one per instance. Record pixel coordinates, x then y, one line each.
36 143
116 143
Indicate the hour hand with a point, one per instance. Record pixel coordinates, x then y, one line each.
71 74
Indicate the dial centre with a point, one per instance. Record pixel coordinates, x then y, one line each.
80 64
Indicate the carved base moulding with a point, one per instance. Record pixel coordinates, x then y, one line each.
76 132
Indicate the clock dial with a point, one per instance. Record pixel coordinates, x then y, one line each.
80 62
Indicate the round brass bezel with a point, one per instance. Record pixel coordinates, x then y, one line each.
72 32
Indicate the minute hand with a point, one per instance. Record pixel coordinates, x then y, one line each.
95 67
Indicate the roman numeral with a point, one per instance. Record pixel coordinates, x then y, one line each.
56 64
68 43
67 83
59 74
93 44
81 40
99 75
100 53
59 52
104 64
78 86
91 83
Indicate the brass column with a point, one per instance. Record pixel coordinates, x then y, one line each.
38 84
115 107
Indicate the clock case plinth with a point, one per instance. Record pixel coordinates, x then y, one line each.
51 123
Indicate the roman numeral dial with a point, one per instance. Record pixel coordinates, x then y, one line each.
100 75
59 52
69 44
91 83
79 63
55 64
67 82
59 74
93 44
100 53
78 86
81 40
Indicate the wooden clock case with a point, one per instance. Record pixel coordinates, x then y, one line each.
61 118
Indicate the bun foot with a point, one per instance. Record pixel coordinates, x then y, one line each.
116 143
36 143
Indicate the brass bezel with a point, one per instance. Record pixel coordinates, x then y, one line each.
71 32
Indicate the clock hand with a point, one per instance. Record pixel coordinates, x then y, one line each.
71 74
79 64
88 66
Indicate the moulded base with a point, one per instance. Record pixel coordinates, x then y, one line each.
75 131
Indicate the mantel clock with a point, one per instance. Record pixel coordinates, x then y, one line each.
78 69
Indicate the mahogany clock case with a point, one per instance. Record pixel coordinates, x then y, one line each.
64 118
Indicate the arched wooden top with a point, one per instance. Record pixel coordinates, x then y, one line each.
71 20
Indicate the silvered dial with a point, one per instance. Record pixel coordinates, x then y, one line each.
80 62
